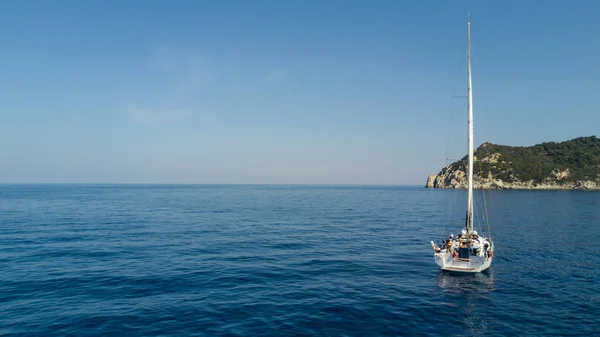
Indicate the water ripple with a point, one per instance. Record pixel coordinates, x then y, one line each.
289 260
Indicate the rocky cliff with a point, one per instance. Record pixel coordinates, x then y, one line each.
573 164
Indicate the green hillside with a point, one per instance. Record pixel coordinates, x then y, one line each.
573 160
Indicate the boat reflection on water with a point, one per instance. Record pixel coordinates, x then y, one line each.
477 284
470 296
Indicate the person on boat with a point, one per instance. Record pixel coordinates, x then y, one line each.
486 248
450 246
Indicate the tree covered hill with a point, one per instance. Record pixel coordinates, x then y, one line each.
567 164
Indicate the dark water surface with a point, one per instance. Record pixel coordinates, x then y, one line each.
118 260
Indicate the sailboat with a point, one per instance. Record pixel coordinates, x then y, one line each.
467 252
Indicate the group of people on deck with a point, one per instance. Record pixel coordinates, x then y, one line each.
463 240
463 245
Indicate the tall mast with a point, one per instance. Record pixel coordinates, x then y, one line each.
469 218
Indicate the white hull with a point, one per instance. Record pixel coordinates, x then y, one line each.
475 264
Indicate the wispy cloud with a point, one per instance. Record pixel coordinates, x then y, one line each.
164 59
162 65
154 115
275 75
195 72
178 81
181 75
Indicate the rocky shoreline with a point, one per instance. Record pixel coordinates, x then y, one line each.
449 178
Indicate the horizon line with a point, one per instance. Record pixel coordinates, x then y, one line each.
209 184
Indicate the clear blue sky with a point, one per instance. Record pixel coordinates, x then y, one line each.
284 91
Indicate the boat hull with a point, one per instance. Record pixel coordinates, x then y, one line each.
475 264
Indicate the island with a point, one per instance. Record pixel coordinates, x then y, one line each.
572 164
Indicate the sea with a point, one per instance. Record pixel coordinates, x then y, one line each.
291 260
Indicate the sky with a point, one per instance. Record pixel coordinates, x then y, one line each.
284 92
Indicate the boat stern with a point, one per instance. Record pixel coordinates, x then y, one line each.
474 264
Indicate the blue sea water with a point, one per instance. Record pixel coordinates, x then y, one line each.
159 260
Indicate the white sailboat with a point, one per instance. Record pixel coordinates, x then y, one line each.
468 252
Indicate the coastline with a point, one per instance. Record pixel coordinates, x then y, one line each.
457 180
